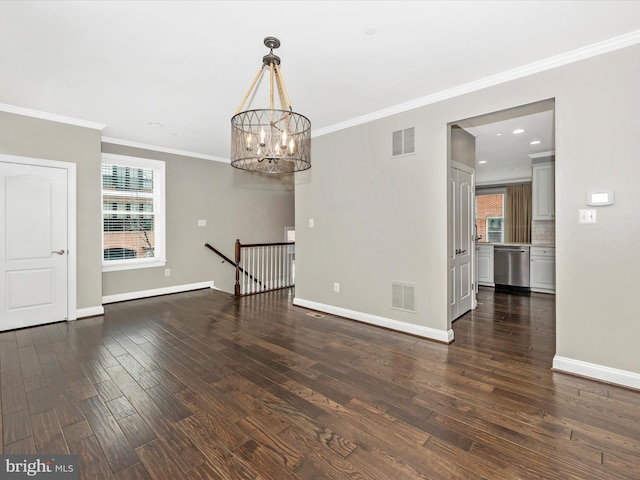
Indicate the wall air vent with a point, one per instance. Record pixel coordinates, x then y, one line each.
403 296
403 142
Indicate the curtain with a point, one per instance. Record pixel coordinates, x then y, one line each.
518 214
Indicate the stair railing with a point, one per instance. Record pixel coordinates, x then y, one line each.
231 262
272 264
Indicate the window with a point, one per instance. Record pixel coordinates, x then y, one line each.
133 226
495 230
490 215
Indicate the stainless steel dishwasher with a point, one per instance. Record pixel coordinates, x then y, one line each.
511 267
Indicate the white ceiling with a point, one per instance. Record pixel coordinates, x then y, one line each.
187 65
503 156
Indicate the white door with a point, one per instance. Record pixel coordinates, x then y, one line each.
33 245
460 261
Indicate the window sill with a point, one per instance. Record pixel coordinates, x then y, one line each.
133 265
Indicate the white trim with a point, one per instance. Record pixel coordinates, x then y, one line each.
463 167
550 153
133 264
445 336
597 372
27 112
72 258
502 183
583 53
89 312
121 297
156 148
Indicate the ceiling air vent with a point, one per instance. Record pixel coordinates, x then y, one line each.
403 296
403 141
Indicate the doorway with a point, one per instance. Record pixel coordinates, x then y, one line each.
509 146
37 232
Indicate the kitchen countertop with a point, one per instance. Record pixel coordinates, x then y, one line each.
546 245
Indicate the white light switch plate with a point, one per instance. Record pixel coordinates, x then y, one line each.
587 215
202 223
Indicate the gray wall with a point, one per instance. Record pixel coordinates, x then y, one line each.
235 204
32 137
463 147
380 219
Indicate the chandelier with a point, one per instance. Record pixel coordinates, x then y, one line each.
270 140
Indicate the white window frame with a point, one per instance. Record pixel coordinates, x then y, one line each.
501 230
159 259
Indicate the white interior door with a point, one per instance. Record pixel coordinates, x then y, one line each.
33 245
461 257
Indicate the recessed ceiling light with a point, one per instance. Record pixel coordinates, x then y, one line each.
535 142
518 130
155 124
370 30
482 161
498 134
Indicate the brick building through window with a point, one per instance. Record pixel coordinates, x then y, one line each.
490 217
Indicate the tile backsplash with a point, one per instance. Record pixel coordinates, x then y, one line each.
543 232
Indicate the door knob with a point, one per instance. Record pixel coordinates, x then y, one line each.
59 252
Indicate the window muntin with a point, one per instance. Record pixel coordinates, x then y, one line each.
132 212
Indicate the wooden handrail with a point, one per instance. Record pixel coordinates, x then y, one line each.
220 254
234 264
247 245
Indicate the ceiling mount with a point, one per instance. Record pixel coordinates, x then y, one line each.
271 43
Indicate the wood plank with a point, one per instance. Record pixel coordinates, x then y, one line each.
39 400
158 461
76 432
221 461
91 460
114 443
16 426
135 472
47 433
137 430
205 385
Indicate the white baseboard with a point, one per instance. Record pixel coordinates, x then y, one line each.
121 297
597 372
88 312
445 336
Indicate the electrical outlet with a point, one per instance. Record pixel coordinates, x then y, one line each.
336 287
202 223
167 272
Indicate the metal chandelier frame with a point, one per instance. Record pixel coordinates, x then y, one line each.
272 141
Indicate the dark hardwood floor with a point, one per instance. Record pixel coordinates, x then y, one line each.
204 386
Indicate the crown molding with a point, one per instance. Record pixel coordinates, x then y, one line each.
27 112
616 43
156 148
